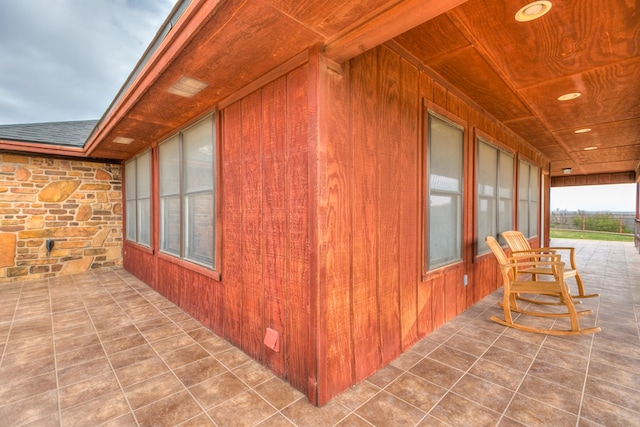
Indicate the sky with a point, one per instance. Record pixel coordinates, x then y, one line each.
597 198
66 60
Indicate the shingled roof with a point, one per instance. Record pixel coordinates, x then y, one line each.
68 134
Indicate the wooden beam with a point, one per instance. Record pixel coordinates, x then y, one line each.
389 24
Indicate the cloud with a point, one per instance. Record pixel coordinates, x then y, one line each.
67 59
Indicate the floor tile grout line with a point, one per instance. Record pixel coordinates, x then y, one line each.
586 375
229 370
407 371
11 323
113 371
55 356
467 372
204 411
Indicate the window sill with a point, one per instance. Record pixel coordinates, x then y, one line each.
139 247
212 274
441 271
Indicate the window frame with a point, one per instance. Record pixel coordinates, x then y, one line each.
500 150
211 270
536 217
137 199
429 110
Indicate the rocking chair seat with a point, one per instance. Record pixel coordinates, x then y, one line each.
512 269
520 248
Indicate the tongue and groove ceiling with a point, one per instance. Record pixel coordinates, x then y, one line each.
513 70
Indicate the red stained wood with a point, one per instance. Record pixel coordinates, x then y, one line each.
335 354
452 289
388 148
299 339
233 227
139 262
366 326
438 309
252 193
322 210
275 148
409 207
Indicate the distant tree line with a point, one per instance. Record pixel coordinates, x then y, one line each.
593 221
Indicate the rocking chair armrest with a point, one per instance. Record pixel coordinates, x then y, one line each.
572 253
519 263
535 251
537 257
558 248
555 268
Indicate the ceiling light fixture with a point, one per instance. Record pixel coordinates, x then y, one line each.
584 130
590 148
122 140
569 96
533 11
567 171
187 87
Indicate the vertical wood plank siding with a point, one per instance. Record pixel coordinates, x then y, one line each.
380 306
322 222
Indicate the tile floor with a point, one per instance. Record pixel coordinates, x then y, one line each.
104 349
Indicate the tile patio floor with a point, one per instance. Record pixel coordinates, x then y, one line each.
104 349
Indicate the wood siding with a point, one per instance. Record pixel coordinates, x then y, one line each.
321 222
264 183
374 301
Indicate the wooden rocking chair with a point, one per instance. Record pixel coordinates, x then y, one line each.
520 247
511 271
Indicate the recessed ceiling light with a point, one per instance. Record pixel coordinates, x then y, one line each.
590 148
533 11
585 130
122 140
187 87
569 96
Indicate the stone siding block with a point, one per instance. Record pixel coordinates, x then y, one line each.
76 203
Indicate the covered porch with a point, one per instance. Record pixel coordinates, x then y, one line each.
103 348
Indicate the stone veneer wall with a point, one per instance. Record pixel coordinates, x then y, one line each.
75 203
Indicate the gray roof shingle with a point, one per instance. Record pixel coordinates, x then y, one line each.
69 134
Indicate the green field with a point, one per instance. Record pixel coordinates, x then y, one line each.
590 235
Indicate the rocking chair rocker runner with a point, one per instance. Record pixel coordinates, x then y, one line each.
511 271
520 247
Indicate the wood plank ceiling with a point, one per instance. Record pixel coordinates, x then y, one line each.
514 70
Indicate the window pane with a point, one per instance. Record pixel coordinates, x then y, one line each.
533 201
187 202
131 220
444 234
144 175
506 176
130 178
445 193
169 173
487 170
170 224
487 193
130 190
505 204
198 157
144 221
199 229
169 167
445 156
486 222
528 199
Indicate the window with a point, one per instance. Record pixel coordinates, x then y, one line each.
527 199
443 243
495 193
138 199
187 194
